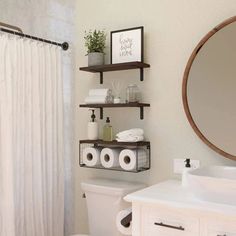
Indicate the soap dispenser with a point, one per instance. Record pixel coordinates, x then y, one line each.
92 127
107 131
186 169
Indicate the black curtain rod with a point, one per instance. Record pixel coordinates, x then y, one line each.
64 45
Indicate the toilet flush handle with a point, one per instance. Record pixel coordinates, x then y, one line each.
127 220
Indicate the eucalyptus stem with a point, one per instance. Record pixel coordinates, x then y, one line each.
95 41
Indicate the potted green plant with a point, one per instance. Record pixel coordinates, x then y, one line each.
95 43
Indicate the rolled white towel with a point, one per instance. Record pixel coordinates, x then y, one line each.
98 99
95 99
130 139
100 92
131 132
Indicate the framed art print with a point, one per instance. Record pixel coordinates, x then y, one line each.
127 45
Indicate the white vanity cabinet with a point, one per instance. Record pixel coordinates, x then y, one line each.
219 228
158 221
167 209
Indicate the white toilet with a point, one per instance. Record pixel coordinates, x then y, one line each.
79 235
104 200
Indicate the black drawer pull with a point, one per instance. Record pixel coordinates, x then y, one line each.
221 235
169 226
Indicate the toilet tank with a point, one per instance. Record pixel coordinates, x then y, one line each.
104 200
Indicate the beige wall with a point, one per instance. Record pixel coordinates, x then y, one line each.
172 30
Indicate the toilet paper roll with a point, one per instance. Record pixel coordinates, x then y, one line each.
91 156
128 159
120 216
110 157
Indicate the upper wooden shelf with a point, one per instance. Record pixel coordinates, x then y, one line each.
116 67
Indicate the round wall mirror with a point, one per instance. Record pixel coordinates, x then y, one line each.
209 89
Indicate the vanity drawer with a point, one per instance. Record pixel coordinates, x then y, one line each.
220 233
215 228
168 223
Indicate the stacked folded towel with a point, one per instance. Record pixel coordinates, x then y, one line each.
131 135
99 96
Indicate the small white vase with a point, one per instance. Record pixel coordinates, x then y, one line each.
117 100
95 59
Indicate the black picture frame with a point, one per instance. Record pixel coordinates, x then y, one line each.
140 45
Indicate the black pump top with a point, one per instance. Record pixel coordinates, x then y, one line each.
108 120
187 161
93 116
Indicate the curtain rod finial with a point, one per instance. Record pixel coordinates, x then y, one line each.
65 46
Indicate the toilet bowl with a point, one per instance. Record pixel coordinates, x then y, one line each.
104 200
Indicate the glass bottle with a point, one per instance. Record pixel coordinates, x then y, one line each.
133 93
107 131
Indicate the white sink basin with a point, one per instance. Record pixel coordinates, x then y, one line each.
214 184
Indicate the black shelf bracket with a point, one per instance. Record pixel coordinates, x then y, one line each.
101 77
101 112
141 113
141 74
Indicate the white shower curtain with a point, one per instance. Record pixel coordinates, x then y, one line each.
31 138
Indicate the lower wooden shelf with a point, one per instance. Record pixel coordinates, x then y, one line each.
115 143
115 169
140 165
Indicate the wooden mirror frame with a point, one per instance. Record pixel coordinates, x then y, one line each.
185 82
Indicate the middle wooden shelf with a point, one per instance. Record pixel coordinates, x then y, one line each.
118 105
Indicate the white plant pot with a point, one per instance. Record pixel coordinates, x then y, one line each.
95 59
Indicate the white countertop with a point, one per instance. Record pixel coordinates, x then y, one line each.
173 194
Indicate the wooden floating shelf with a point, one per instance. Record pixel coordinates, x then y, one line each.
118 105
116 143
115 169
116 67
107 105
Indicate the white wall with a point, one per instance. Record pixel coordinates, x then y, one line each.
52 19
172 30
